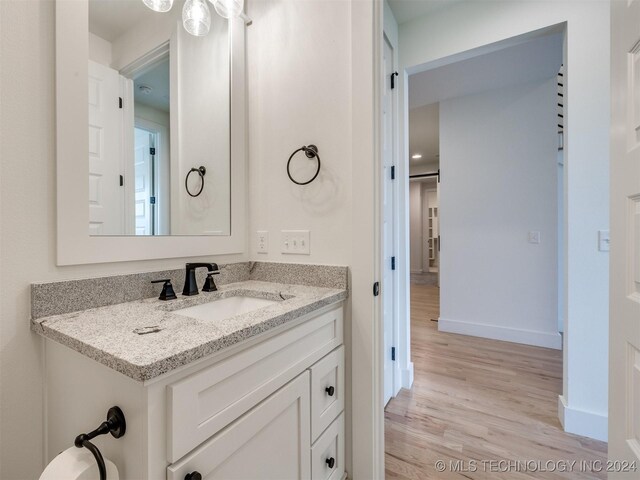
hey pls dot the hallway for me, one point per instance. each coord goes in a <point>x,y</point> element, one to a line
<point>480,400</point>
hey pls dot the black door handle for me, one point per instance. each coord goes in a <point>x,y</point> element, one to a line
<point>330,391</point>
<point>331,462</point>
<point>193,476</point>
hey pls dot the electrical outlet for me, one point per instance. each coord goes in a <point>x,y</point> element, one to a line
<point>263,241</point>
<point>295,242</point>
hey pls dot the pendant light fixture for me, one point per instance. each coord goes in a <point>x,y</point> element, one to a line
<point>228,8</point>
<point>196,17</point>
<point>159,5</point>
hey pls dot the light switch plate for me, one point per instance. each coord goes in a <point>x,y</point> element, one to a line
<point>295,242</point>
<point>262,239</point>
<point>604,240</point>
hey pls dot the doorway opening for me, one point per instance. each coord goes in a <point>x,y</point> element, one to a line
<point>484,152</point>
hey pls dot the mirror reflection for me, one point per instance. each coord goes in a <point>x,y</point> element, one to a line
<point>159,120</point>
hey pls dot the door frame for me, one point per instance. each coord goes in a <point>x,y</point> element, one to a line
<point>581,406</point>
<point>396,373</point>
<point>366,435</point>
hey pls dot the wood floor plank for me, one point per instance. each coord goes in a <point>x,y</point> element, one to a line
<point>481,400</point>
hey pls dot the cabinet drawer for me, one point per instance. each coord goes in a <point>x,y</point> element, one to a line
<point>269,441</point>
<point>327,391</point>
<point>329,450</point>
<point>202,404</point>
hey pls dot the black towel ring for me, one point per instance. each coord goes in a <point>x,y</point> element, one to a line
<point>311,152</point>
<point>201,172</point>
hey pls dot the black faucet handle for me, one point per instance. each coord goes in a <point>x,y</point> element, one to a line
<point>209,284</point>
<point>167,289</point>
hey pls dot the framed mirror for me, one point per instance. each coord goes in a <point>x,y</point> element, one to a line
<point>160,169</point>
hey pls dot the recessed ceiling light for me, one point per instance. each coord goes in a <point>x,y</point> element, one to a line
<point>417,156</point>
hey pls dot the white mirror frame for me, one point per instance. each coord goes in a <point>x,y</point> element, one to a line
<point>75,245</point>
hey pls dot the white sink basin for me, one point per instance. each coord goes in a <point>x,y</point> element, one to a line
<point>224,308</point>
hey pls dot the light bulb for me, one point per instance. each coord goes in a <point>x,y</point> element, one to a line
<point>159,5</point>
<point>196,17</point>
<point>228,8</point>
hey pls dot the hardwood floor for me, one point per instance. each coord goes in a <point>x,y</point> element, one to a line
<point>483,401</point>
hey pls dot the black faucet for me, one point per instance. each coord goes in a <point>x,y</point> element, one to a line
<point>190,285</point>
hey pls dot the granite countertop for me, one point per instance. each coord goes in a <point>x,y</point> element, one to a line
<point>144,339</point>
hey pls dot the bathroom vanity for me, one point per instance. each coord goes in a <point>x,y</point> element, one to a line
<point>256,391</point>
<point>244,382</point>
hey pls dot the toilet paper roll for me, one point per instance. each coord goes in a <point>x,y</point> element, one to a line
<point>77,464</point>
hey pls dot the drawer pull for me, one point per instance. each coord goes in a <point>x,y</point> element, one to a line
<point>193,476</point>
<point>331,462</point>
<point>330,391</point>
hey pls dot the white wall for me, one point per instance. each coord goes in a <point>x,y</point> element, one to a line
<point>28,226</point>
<point>470,25</point>
<point>200,133</point>
<point>299,98</point>
<point>415,214</point>
<point>498,154</point>
<point>99,50</point>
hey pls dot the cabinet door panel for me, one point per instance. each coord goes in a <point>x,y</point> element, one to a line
<point>271,441</point>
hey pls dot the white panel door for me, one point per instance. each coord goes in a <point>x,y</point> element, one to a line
<point>144,181</point>
<point>624,327</point>
<point>105,132</point>
<point>388,249</point>
<point>271,441</point>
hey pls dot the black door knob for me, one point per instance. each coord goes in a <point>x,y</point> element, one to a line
<point>193,476</point>
<point>331,462</point>
<point>330,391</point>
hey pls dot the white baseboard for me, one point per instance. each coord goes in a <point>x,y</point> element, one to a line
<point>580,422</point>
<point>407,376</point>
<point>516,335</point>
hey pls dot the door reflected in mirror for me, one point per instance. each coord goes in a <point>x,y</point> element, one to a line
<point>159,111</point>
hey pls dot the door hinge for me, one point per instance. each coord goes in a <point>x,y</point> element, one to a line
<point>393,263</point>
<point>438,175</point>
<point>393,80</point>
<point>393,172</point>
<point>121,180</point>
<point>152,151</point>
<point>439,243</point>
<point>152,200</point>
<point>376,289</point>
<point>120,103</point>
<point>393,354</point>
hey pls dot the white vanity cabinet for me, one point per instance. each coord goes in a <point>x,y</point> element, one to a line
<point>271,407</point>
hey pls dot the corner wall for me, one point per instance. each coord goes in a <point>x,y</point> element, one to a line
<point>473,25</point>
<point>498,155</point>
